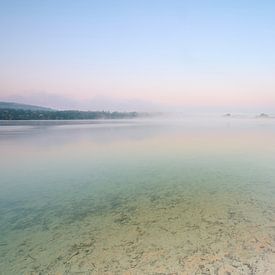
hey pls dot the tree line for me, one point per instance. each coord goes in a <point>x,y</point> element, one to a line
<point>16,114</point>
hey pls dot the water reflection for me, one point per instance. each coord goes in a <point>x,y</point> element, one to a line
<point>194,196</point>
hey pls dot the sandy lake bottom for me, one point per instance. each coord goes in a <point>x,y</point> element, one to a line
<point>138,197</point>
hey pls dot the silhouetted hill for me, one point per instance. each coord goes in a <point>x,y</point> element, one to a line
<point>19,106</point>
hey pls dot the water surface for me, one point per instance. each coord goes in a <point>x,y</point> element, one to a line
<point>189,196</point>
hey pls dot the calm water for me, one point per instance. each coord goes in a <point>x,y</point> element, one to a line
<point>138,197</point>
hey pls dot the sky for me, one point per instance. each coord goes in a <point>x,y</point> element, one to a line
<point>143,54</point>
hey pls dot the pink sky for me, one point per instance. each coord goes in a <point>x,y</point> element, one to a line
<point>167,54</point>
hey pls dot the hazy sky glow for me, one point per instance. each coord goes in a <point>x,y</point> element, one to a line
<point>172,53</point>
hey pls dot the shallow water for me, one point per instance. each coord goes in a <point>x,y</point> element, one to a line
<point>189,196</point>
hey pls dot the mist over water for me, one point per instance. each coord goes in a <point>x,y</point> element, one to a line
<point>139,196</point>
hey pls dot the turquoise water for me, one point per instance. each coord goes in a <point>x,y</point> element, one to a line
<point>186,196</point>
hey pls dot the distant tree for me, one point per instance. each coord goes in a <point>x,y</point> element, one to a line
<point>20,114</point>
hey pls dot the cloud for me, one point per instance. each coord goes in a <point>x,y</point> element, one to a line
<point>43,99</point>
<point>96,103</point>
<point>109,103</point>
<point>118,104</point>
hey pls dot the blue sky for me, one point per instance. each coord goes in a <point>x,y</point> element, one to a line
<point>170,52</point>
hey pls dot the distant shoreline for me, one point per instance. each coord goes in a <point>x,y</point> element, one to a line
<point>17,114</point>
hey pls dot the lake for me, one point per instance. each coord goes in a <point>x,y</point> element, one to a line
<point>186,196</point>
